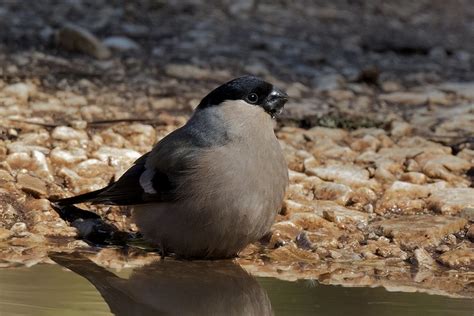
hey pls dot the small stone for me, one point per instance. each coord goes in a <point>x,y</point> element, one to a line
<point>414,177</point>
<point>164,104</point>
<point>291,253</point>
<point>423,258</point>
<point>77,39</point>
<point>5,176</point>
<point>329,82</point>
<point>18,228</point>
<point>451,200</point>
<point>121,43</point>
<point>67,157</point>
<point>339,193</point>
<point>405,98</point>
<point>303,242</point>
<point>458,258</point>
<point>438,97</point>
<point>20,91</point>
<point>38,205</point>
<point>93,168</point>
<point>186,71</point>
<point>391,86</point>
<point>400,129</point>
<point>337,213</point>
<point>470,233</point>
<point>351,175</point>
<point>286,230</point>
<point>468,213</point>
<point>340,95</point>
<point>31,184</point>
<point>4,233</point>
<point>68,133</point>
<point>442,248</point>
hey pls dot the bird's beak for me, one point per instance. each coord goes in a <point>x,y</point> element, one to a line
<point>275,102</point>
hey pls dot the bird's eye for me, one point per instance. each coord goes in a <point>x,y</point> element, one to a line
<point>252,98</point>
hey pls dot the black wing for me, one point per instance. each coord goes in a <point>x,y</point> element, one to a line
<point>128,190</point>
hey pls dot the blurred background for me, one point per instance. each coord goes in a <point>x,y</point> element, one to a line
<point>293,40</point>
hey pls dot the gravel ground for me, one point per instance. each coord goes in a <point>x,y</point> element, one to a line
<point>378,134</point>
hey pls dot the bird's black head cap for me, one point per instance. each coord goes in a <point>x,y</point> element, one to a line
<point>250,89</point>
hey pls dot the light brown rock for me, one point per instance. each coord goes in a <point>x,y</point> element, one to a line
<point>4,233</point>
<point>20,91</point>
<point>351,175</point>
<point>78,39</point>
<point>405,98</point>
<point>451,200</point>
<point>339,193</point>
<point>63,157</point>
<point>423,259</point>
<point>31,184</point>
<point>340,213</point>
<point>458,258</point>
<point>411,232</point>
<point>403,197</point>
<point>68,133</point>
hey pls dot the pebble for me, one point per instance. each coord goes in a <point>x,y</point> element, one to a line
<point>67,157</point>
<point>20,91</point>
<point>423,259</point>
<point>187,72</point>
<point>350,175</point>
<point>329,82</point>
<point>4,234</point>
<point>68,133</point>
<point>31,184</point>
<point>459,199</point>
<point>458,258</point>
<point>405,98</point>
<point>19,229</point>
<point>75,38</point>
<point>339,193</point>
<point>121,43</point>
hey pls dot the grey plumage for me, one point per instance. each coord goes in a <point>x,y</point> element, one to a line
<point>214,185</point>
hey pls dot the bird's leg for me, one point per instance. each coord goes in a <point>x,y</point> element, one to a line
<point>162,251</point>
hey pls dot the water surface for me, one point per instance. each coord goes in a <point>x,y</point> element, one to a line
<point>197,288</point>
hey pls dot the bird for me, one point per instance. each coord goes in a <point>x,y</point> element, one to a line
<point>214,185</point>
<point>174,287</point>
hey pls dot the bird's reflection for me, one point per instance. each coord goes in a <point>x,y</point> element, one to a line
<point>172,287</point>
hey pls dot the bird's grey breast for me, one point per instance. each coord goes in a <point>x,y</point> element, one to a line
<point>245,168</point>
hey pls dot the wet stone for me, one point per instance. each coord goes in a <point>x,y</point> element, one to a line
<point>423,258</point>
<point>458,258</point>
<point>428,231</point>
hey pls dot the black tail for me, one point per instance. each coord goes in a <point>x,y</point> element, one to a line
<point>82,198</point>
<point>70,213</point>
